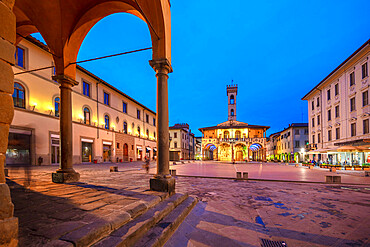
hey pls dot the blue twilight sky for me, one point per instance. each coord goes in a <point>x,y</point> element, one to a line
<point>276,51</point>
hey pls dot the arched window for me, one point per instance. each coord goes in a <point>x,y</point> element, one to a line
<point>232,100</point>
<point>237,134</point>
<point>86,115</point>
<point>19,95</point>
<point>125,127</point>
<point>147,133</point>
<point>175,145</point>
<point>226,134</point>
<point>56,106</point>
<point>106,120</point>
<point>232,112</point>
<point>138,130</point>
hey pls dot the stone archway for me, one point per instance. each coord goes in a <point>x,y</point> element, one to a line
<point>63,25</point>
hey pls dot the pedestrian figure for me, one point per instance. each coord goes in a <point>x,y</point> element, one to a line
<point>147,162</point>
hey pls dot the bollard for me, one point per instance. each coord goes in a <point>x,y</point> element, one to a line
<point>245,175</point>
<point>173,172</point>
<point>367,173</point>
<point>114,169</point>
<point>238,175</point>
<point>333,179</point>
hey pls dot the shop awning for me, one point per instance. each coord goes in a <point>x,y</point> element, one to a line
<point>350,149</point>
<point>139,147</point>
<point>319,151</point>
<point>148,149</point>
<point>107,143</point>
<point>155,149</point>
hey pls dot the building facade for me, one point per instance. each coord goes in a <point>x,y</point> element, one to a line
<point>182,144</point>
<point>339,111</point>
<point>289,145</point>
<point>108,125</point>
<point>233,140</point>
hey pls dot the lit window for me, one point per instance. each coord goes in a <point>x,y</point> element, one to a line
<point>86,115</point>
<point>56,106</point>
<point>147,133</point>
<point>19,57</point>
<point>138,130</point>
<point>19,95</point>
<point>106,121</point>
<point>226,134</point>
<point>125,127</point>
<point>106,98</point>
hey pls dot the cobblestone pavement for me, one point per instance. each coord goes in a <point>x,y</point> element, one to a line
<point>230,212</point>
<point>273,171</point>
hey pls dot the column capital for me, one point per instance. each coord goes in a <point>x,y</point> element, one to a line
<point>63,79</point>
<point>161,64</point>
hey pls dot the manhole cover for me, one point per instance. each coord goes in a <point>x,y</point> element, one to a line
<point>270,243</point>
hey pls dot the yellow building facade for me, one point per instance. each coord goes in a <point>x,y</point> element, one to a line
<point>234,140</point>
<point>108,125</point>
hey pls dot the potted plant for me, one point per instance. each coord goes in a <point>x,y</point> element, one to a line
<point>366,167</point>
<point>357,168</point>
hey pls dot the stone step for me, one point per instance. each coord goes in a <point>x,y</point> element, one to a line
<point>92,232</point>
<point>132,231</point>
<point>160,233</point>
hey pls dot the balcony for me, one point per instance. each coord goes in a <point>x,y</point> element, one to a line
<point>234,140</point>
<point>310,147</point>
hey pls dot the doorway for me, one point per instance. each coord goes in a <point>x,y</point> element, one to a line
<point>106,152</point>
<point>55,151</point>
<point>86,152</point>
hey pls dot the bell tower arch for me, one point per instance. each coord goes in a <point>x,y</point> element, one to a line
<point>232,91</point>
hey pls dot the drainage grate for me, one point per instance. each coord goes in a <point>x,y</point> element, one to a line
<point>270,243</point>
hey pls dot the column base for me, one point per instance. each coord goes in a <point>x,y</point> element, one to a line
<point>65,177</point>
<point>163,184</point>
<point>9,232</point>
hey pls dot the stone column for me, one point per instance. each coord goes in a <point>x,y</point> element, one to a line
<point>65,173</point>
<point>8,223</point>
<point>162,181</point>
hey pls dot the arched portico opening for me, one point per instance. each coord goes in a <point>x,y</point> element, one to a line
<point>256,152</point>
<point>240,152</point>
<point>210,152</point>
<point>64,25</point>
<point>77,18</point>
